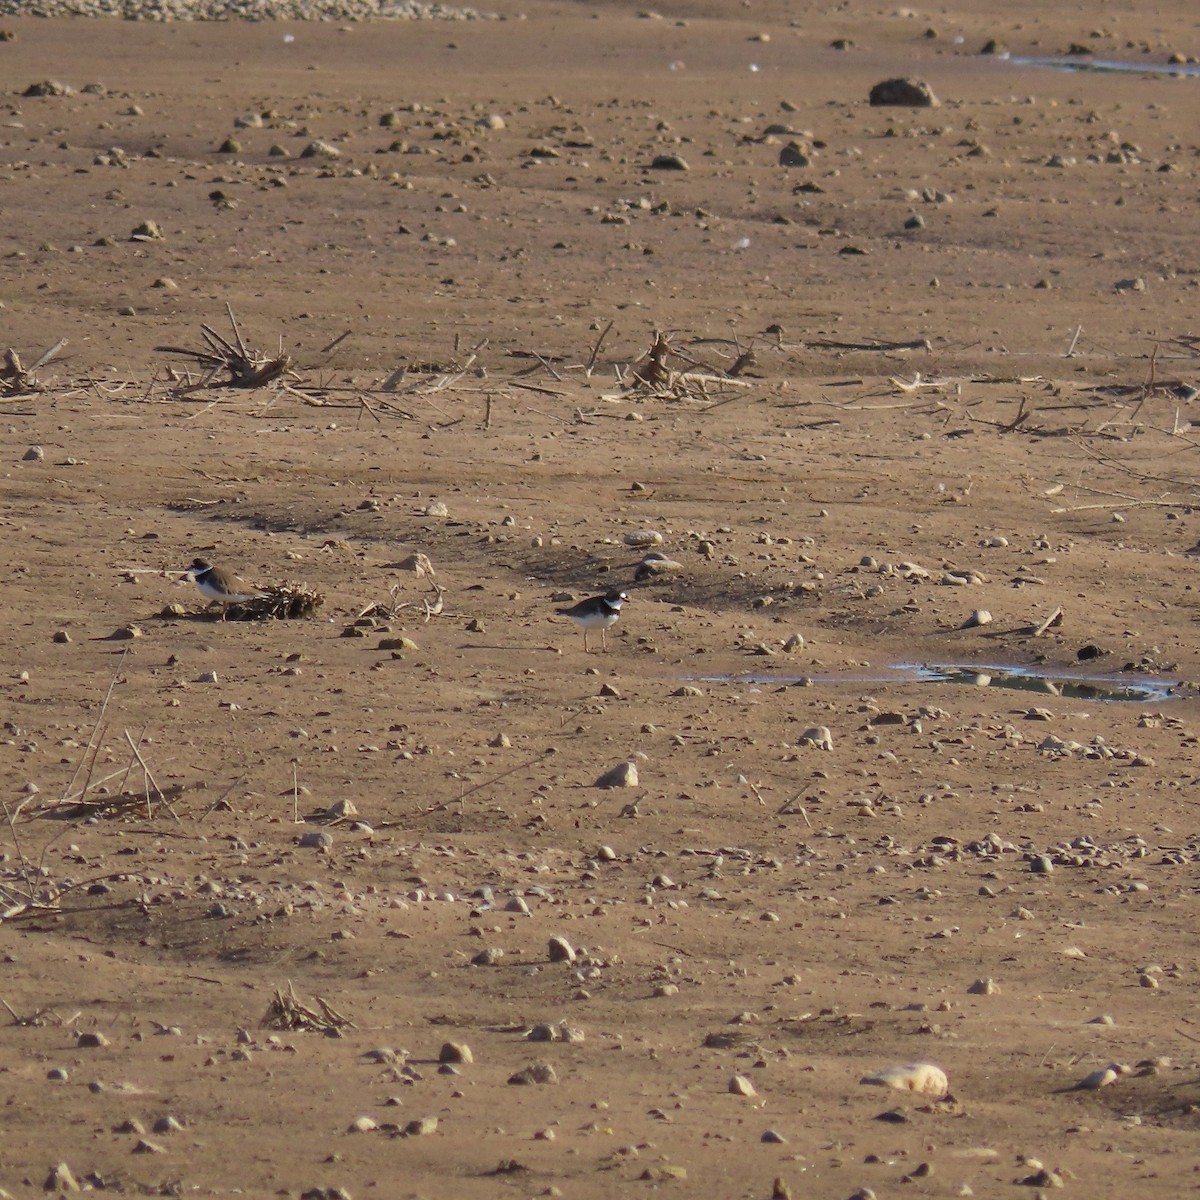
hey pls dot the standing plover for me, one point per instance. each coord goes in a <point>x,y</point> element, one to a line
<point>596,612</point>
<point>219,586</point>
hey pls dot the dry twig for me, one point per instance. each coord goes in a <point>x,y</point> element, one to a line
<point>287,1011</point>
<point>17,380</point>
<point>247,368</point>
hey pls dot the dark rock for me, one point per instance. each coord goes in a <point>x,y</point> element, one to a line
<point>47,87</point>
<point>908,93</point>
<point>794,155</point>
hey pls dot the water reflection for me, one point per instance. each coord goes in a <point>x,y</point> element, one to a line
<point>1102,65</point>
<point>1138,690</point>
<point>1026,679</point>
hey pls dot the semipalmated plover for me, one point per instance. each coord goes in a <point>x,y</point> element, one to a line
<point>219,586</point>
<point>596,612</point>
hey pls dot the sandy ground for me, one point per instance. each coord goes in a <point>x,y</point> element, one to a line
<point>993,880</point>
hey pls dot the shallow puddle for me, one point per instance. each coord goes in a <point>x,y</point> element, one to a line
<point>1103,65</point>
<point>1026,679</point>
<point>1138,689</point>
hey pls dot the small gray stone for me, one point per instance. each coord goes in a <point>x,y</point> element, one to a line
<point>383,1054</point>
<point>624,774</point>
<point>795,155</point>
<point>61,1179</point>
<point>455,1052</point>
<point>320,149</point>
<point>818,736</point>
<point>561,950</point>
<point>534,1073</point>
<point>421,1127</point>
<point>49,87</point>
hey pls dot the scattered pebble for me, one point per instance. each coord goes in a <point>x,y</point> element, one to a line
<point>561,950</point>
<point>983,987</point>
<point>909,93</point>
<point>535,1073</point>
<point>420,1127</point>
<point>818,736</point>
<point>922,1077</point>
<point>643,538</point>
<point>455,1052</point>
<point>562,1032</point>
<point>664,1173</point>
<point>624,774</point>
<point>1101,1078</point>
<point>61,1179</point>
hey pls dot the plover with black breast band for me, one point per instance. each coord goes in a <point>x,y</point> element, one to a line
<point>596,612</point>
<point>220,586</point>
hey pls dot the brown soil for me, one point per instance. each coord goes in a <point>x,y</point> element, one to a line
<point>756,906</point>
